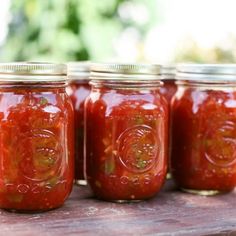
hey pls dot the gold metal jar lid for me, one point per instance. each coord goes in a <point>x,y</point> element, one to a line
<point>211,73</point>
<point>122,71</point>
<point>32,72</point>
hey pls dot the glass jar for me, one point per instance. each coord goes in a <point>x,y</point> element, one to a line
<point>36,138</point>
<point>168,90</point>
<point>78,90</point>
<point>203,159</point>
<point>168,78</point>
<point>126,132</point>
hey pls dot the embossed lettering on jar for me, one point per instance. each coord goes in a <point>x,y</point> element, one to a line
<point>126,132</point>
<point>203,159</point>
<point>36,138</point>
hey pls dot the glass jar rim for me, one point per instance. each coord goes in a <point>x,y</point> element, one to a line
<point>32,72</point>
<point>206,73</point>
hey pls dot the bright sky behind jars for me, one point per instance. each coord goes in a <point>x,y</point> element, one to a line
<point>4,17</point>
<point>209,23</point>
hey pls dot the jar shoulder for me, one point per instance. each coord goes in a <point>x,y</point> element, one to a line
<point>198,99</point>
<point>127,100</point>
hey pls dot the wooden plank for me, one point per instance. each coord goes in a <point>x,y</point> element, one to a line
<point>171,212</point>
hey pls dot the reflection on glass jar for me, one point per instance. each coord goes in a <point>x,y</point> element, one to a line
<point>78,90</point>
<point>126,132</point>
<point>36,138</point>
<point>169,87</point>
<point>168,90</point>
<point>203,157</point>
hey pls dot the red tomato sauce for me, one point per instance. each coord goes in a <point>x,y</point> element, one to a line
<point>169,89</point>
<point>204,139</point>
<point>36,147</point>
<point>126,143</point>
<point>79,91</point>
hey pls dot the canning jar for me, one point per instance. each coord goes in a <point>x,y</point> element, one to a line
<point>203,159</point>
<point>168,90</point>
<point>78,90</point>
<point>126,132</point>
<point>36,138</point>
<point>168,78</point>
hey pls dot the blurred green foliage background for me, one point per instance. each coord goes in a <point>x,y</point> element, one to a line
<point>70,30</point>
<point>64,30</point>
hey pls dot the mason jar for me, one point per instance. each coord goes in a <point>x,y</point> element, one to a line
<point>169,87</point>
<point>36,138</point>
<point>126,132</point>
<point>168,90</point>
<point>78,90</point>
<point>203,159</point>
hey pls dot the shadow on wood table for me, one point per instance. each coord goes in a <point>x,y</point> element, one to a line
<point>171,212</point>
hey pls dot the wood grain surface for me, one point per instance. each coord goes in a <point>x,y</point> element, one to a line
<point>171,212</point>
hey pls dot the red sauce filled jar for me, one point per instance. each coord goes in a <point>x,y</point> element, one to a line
<point>126,132</point>
<point>169,87</point>
<point>78,90</point>
<point>168,90</point>
<point>36,138</point>
<point>203,159</point>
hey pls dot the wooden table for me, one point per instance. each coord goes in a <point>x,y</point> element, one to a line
<point>170,213</point>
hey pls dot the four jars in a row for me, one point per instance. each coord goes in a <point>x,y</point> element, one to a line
<point>122,126</point>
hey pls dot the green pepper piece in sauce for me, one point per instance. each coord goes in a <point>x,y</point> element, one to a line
<point>109,166</point>
<point>43,101</point>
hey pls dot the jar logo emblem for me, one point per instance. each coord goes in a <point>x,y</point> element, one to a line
<point>220,144</point>
<point>138,148</point>
<point>42,159</point>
